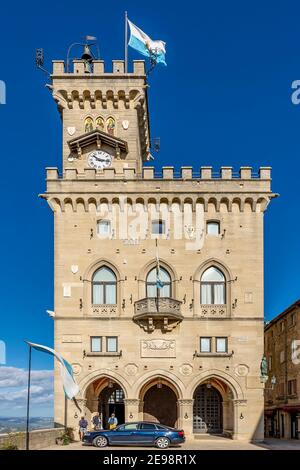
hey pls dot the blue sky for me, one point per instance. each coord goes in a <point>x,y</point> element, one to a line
<point>228,84</point>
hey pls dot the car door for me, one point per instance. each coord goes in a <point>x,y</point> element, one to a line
<point>147,433</point>
<point>124,434</point>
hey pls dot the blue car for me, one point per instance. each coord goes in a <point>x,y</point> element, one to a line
<point>135,434</point>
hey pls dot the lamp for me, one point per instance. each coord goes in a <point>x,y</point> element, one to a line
<point>110,384</point>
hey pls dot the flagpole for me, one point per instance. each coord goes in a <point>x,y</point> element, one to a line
<point>157,275</point>
<point>28,400</point>
<point>126,42</point>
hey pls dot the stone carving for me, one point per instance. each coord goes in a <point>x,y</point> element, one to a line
<point>158,348</point>
<point>186,369</point>
<point>131,369</point>
<point>71,339</point>
<point>158,344</point>
<point>241,370</point>
<point>77,368</point>
<point>105,310</point>
<point>213,310</point>
<point>125,124</point>
<point>74,268</point>
<point>71,130</point>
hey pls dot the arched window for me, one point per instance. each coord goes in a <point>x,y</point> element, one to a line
<point>158,284</point>
<point>104,287</point>
<point>213,287</point>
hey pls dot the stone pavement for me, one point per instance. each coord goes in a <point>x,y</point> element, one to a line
<point>209,443</point>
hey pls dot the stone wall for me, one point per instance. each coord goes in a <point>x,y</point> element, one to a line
<point>38,439</point>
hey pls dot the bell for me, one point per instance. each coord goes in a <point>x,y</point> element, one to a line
<point>87,54</point>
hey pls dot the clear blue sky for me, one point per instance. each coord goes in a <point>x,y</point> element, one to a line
<point>228,83</point>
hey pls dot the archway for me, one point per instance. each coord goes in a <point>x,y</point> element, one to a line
<point>207,410</point>
<point>111,400</point>
<point>159,402</point>
<point>106,396</point>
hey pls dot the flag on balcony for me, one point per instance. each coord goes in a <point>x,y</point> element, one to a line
<point>69,383</point>
<point>159,283</point>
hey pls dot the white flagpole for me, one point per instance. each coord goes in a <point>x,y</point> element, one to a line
<point>126,42</point>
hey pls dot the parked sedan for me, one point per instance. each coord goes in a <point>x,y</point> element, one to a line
<point>136,434</point>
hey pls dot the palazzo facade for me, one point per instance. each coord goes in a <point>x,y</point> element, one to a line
<point>158,276</point>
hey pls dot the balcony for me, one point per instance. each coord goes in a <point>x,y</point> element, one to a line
<point>162,312</point>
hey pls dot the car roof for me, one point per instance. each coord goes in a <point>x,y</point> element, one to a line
<point>149,422</point>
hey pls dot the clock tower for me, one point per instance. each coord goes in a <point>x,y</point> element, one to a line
<point>104,115</point>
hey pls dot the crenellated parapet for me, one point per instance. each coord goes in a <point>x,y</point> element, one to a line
<point>98,89</point>
<point>225,191</point>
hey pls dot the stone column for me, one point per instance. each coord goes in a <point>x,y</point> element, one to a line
<point>74,415</point>
<point>228,419</point>
<point>240,411</point>
<point>131,409</point>
<point>185,415</point>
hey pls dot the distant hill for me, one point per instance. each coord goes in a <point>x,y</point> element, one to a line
<point>19,424</point>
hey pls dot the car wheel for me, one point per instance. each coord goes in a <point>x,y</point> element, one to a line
<point>162,442</point>
<point>100,441</point>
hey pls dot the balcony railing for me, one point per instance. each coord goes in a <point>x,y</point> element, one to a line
<point>161,312</point>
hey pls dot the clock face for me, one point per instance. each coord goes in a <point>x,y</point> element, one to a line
<point>99,159</point>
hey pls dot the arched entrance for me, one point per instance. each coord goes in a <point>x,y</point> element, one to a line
<point>207,412</point>
<point>106,396</point>
<point>159,402</point>
<point>111,400</point>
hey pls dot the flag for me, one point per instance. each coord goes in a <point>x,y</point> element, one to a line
<point>159,283</point>
<point>69,384</point>
<point>140,41</point>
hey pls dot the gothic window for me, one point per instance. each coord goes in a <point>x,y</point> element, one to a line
<point>158,283</point>
<point>100,123</point>
<point>110,125</point>
<point>213,287</point>
<point>88,124</point>
<point>104,287</point>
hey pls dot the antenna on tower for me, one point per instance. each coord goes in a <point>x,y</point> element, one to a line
<point>39,60</point>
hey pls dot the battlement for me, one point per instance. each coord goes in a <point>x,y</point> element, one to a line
<point>77,68</point>
<point>167,173</point>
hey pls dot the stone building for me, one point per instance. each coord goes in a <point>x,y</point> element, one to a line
<point>282,350</point>
<point>161,319</point>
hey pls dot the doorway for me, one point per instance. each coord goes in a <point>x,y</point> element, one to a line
<point>160,405</point>
<point>207,410</point>
<point>111,400</point>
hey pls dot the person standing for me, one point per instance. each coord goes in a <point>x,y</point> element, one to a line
<point>96,422</point>
<point>83,424</point>
<point>112,421</point>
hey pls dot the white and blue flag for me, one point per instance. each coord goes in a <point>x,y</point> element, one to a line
<point>69,384</point>
<point>141,42</point>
